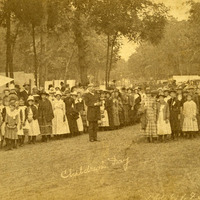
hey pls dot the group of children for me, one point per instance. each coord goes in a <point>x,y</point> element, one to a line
<point>64,113</point>
<point>172,113</point>
<point>18,120</point>
<point>60,113</point>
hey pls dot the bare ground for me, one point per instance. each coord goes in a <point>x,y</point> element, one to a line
<point>154,171</point>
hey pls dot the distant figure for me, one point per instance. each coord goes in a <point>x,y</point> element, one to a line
<point>62,87</point>
<point>25,94</point>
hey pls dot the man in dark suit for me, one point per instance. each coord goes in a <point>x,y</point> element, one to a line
<point>92,101</point>
<point>25,94</point>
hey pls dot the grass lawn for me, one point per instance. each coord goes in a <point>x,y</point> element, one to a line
<point>121,166</point>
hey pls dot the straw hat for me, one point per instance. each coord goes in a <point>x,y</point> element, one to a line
<point>30,98</point>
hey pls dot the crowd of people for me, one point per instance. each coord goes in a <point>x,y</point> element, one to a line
<point>64,112</point>
<point>171,113</point>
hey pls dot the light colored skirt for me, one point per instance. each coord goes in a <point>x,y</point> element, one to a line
<point>104,122</point>
<point>59,126</point>
<point>163,128</point>
<point>33,128</point>
<point>11,133</point>
<point>20,131</point>
<point>190,125</point>
<point>80,123</point>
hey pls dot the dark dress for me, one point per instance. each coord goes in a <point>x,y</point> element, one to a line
<point>45,116</point>
<point>108,107</point>
<point>80,107</point>
<point>72,115</point>
<point>126,107</point>
<point>174,109</point>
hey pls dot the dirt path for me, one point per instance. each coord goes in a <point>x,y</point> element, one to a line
<point>121,166</point>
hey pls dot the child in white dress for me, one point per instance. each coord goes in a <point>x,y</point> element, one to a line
<point>60,123</point>
<point>32,120</point>
<point>163,124</point>
<point>190,125</point>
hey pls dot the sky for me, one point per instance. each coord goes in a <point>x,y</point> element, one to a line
<point>178,9</point>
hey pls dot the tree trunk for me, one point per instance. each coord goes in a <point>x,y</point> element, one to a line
<point>111,59</point>
<point>67,66</point>
<point>8,46</point>
<point>107,61</point>
<point>35,55</point>
<point>81,44</point>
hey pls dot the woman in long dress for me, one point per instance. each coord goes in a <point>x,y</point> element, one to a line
<point>60,122</point>
<point>45,117</point>
<point>79,121</point>
<point>163,124</point>
<point>115,110</point>
<point>190,125</point>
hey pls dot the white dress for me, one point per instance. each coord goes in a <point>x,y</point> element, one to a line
<point>189,113</point>
<point>20,117</point>
<point>79,121</point>
<point>104,122</point>
<point>59,125</point>
<point>33,125</point>
<point>163,128</point>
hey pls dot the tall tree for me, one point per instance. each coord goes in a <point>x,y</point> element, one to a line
<point>139,20</point>
<point>30,13</point>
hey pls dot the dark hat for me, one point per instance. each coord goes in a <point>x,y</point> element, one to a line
<point>161,95</point>
<point>13,92</point>
<point>130,89</point>
<point>43,92</point>
<point>17,86</point>
<point>166,90</point>
<point>191,87</point>
<point>123,88</point>
<point>185,91</point>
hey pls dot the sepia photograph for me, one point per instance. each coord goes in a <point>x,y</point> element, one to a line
<point>99,99</point>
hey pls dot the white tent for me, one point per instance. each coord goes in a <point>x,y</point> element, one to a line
<point>4,80</point>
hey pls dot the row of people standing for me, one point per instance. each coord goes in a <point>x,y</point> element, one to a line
<point>175,114</point>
